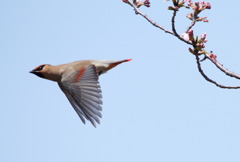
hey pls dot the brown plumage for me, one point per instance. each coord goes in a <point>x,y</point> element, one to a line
<point>79,81</point>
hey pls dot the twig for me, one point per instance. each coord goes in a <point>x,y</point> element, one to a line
<point>173,23</point>
<point>137,11</point>
<point>222,68</point>
<point>210,80</point>
<point>174,28</point>
<point>207,55</point>
<point>192,24</point>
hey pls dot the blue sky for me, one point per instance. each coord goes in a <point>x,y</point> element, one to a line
<point>155,108</point>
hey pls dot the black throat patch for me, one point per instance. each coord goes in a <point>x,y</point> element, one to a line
<point>38,74</point>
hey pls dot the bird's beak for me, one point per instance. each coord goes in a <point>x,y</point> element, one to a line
<point>37,73</point>
<point>32,72</point>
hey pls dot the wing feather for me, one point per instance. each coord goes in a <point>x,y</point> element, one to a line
<point>93,85</point>
<point>92,98</point>
<point>74,105</point>
<point>98,90</point>
<point>92,93</point>
<point>85,94</point>
<point>92,108</point>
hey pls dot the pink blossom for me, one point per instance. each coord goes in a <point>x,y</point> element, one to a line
<point>185,36</point>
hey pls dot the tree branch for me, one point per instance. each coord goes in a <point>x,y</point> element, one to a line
<point>197,44</point>
<point>174,28</point>
<point>137,11</point>
<point>210,80</point>
<point>192,24</point>
<point>222,68</point>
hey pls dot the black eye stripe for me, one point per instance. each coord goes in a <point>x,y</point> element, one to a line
<point>40,68</point>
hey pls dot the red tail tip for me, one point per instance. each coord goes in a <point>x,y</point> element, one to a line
<point>128,60</point>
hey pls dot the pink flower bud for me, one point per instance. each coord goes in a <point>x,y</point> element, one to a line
<point>208,6</point>
<point>202,2</point>
<point>190,32</point>
<point>203,36</point>
<point>147,3</point>
<point>213,57</point>
<point>202,45</point>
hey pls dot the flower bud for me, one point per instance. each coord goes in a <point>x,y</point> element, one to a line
<point>203,36</point>
<point>190,32</point>
<point>208,6</point>
<point>213,57</point>
<point>125,1</point>
<point>146,3</point>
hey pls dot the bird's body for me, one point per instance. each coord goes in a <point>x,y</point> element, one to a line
<point>79,81</point>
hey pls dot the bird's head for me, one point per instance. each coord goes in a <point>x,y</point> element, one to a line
<point>41,70</point>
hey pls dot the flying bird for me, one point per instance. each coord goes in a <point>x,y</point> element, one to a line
<point>79,82</point>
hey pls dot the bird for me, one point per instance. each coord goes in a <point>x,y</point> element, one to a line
<point>79,81</point>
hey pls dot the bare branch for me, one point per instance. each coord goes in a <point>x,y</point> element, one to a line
<point>210,80</point>
<point>137,11</point>
<point>222,68</point>
<point>174,28</point>
<point>192,24</point>
<point>173,23</point>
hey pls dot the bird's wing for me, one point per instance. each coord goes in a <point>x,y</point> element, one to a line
<point>84,93</point>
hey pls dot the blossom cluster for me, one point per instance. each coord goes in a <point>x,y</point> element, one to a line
<point>139,3</point>
<point>198,7</point>
<point>198,44</point>
<point>177,4</point>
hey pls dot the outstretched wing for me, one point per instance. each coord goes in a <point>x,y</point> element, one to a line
<point>84,93</point>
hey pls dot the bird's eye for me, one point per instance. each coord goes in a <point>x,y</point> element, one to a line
<point>40,68</point>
